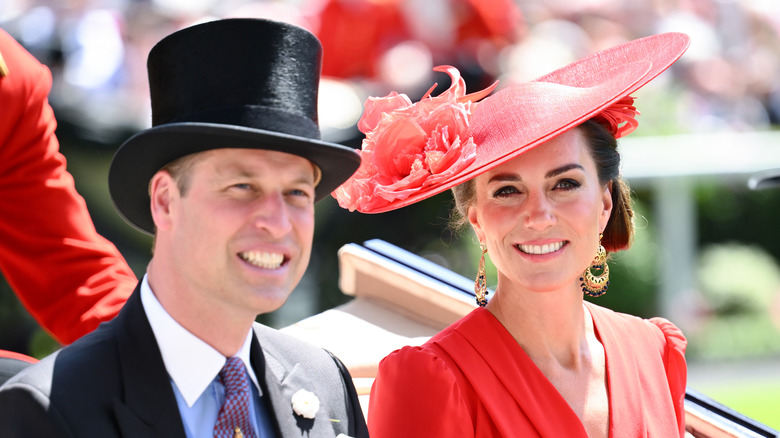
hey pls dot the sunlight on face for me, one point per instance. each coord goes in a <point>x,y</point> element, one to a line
<point>241,235</point>
<point>541,213</point>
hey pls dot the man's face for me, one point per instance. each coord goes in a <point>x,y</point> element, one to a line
<point>240,235</point>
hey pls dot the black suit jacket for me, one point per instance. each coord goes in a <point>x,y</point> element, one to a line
<point>113,383</point>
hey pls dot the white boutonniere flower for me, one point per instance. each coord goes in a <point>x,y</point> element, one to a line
<point>305,403</point>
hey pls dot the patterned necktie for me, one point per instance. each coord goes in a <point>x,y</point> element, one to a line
<point>233,420</point>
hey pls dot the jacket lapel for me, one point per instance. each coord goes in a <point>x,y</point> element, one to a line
<point>291,365</point>
<point>282,378</point>
<point>148,406</point>
<point>277,401</point>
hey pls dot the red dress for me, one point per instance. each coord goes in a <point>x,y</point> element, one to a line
<point>67,275</point>
<point>474,380</point>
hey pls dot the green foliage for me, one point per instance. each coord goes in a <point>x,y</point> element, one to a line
<point>738,279</point>
<point>739,283</point>
<point>42,344</point>
<point>734,336</point>
<point>733,213</point>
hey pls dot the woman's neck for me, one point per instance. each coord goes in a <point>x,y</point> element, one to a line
<point>556,331</point>
<point>552,327</point>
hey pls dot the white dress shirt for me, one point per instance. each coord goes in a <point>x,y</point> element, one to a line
<point>193,367</point>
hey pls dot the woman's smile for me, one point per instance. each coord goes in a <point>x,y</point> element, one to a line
<point>541,249</point>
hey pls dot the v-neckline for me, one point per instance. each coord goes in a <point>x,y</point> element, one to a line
<point>600,336</point>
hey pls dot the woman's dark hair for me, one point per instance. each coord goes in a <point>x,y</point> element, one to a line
<point>619,232</point>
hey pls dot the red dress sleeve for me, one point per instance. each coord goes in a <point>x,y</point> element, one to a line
<point>676,367</point>
<point>68,276</point>
<point>412,388</point>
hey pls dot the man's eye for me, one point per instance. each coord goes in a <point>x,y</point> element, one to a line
<point>302,193</point>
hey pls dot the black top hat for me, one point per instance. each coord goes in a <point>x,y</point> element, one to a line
<point>235,83</point>
<point>765,180</point>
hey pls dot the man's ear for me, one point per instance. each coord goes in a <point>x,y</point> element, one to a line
<point>162,191</point>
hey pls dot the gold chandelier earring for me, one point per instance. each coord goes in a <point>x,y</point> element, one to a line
<point>595,285</point>
<point>480,285</point>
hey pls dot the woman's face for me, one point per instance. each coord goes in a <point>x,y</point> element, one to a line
<point>541,213</point>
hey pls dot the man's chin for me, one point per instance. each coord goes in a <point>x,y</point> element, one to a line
<point>267,302</point>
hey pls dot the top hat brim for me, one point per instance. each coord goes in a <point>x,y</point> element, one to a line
<point>144,154</point>
<point>520,117</point>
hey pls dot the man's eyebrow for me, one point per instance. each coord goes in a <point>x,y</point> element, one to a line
<point>238,171</point>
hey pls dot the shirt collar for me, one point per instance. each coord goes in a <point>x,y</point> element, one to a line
<point>191,363</point>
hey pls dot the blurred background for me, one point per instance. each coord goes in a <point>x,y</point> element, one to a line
<point>707,249</point>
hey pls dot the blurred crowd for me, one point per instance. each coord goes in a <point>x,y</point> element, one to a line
<point>728,80</point>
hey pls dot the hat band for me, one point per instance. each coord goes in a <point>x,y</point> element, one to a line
<point>255,117</point>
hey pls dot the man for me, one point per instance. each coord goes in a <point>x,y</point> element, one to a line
<point>67,276</point>
<point>226,180</point>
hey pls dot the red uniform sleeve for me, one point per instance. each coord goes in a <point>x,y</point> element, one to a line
<point>68,276</point>
<point>676,367</point>
<point>412,389</point>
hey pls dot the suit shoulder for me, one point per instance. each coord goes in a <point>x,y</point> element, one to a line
<point>73,366</point>
<point>287,348</point>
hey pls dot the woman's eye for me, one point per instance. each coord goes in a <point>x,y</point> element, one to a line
<point>505,191</point>
<point>567,184</point>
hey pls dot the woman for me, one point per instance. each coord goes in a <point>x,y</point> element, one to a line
<point>535,172</point>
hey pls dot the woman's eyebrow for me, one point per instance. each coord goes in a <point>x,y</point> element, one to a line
<point>563,169</point>
<point>512,177</point>
<point>505,177</point>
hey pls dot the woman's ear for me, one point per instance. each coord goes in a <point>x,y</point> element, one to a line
<point>162,192</point>
<point>475,224</point>
<point>606,212</point>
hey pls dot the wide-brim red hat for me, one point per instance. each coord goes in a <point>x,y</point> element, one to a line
<point>415,151</point>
